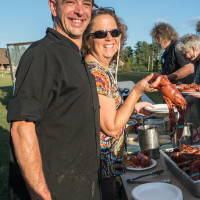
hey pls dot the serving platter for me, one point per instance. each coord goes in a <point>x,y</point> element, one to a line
<point>191,185</point>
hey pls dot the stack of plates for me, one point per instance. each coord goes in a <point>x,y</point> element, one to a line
<point>167,146</point>
<point>157,191</point>
<point>132,149</point>
<point>159,108</point>
<point>164,139</point>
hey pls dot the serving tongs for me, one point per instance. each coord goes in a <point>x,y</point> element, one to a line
<point>155,173</point>
<point>157,181</point>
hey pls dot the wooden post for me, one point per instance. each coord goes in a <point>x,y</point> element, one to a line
<point>152,59</point>
<point>149,64</point>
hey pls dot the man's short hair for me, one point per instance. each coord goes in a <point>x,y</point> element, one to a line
<point>57,1</point>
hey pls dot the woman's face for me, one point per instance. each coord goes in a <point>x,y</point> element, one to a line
<point>164,44</point>
<point>105,48</point>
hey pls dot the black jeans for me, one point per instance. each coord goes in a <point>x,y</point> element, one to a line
<point>108,187</point>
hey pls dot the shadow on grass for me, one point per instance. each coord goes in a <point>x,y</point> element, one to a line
<point>4,163</point>
<point>5,96</point>
<point>9,91</point>
<point>4,170</point>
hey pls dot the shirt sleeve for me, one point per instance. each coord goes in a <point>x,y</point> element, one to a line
<point>34,88</point>
<point>103,84</point>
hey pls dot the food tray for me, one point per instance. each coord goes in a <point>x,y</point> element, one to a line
<point>191,185</point>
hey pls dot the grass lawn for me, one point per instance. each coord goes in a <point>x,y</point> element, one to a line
<point>136,77</point>
<point>5,96</point>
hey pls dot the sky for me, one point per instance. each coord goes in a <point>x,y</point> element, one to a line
<point>27,20</point>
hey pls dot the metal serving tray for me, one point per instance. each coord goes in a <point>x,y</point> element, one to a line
<point>191,185</point>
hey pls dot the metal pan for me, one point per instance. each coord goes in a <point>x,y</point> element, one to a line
<point>191,185</point>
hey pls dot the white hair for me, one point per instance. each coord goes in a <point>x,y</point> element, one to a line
<point>185,43</point>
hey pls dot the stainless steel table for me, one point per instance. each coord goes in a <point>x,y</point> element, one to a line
<point>166,175</point>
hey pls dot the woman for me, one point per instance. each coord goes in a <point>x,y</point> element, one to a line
<point>100,46</point>
<point>173,63</point>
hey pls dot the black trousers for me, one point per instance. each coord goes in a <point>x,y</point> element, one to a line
<point>108,187</point>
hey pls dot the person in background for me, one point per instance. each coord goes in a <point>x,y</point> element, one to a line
<point>103,38</point>
<point>198,28</point>
<point>55,149</point>
<point>174,65</point>
<point>189,46</point>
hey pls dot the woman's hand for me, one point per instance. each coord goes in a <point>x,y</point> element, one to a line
<point>139,108</point>
<point>144,85</point>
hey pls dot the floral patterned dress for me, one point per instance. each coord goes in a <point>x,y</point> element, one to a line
<point>113,149</point>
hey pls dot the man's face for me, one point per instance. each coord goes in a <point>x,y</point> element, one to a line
<point>72,16</point>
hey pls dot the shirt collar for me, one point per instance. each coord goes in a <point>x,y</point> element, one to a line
<point>62,38</point>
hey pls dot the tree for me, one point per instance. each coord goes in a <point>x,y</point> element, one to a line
<point>126,67</point>
<point>127,53</point>
<point>144,56</point>
<point>137,52</point>
<point>155,57</point>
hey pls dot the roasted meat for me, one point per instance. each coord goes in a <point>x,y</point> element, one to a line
<point>144,160</point>
<point>139,161</point>
<point>188,159</point>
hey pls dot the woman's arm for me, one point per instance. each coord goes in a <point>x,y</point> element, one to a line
<point>29,159</point>
<point>112,120</point>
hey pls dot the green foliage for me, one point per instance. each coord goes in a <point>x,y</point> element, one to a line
<point>132,76</point>
<point>144,57</point>
<point>125,68</point>
<point>127,53</point>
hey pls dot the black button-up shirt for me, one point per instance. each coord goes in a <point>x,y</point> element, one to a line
<point>55,89</point>
<point>172,60</point>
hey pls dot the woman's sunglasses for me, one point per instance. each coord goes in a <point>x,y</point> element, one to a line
<point>102,9</point>
<point>103,33</point>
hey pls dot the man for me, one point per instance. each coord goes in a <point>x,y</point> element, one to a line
<point>173,63</point>
<point>55,114</point>
<point>189,46</point>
